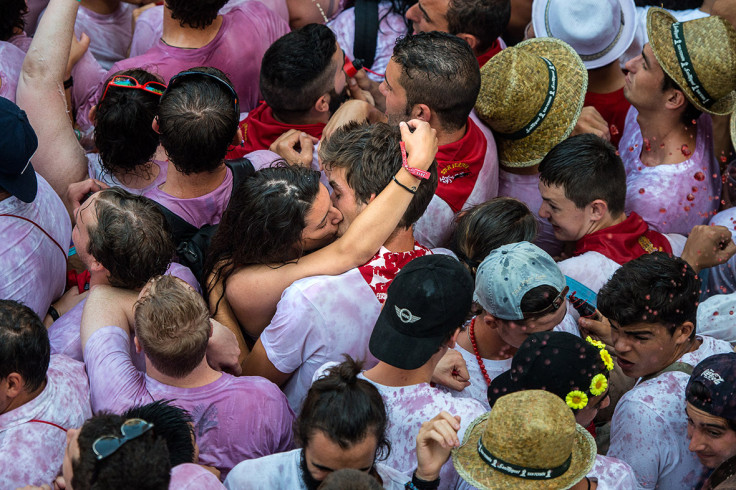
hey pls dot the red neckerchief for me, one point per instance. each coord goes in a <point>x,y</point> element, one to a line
<point>383,267</point>
<point>260,129</point>
<point>492,51</point>
<point>459,164</point>
<point>80,280</point>
<point>613,108</point>
<point>625,241</point>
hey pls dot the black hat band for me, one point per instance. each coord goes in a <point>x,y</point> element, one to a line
<point>686,65</point>
<point>521,471</point>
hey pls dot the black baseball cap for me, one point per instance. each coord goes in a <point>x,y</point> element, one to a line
<point>429,298</point>
<point>716,394</point>
<point>18,143</point>
<point>558,362</point>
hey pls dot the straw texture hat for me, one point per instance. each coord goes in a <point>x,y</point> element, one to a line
<point>531,433</point>
<point>699,55</point>
<point>531,96</point>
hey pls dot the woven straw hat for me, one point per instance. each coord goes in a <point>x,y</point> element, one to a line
<point>516,100</point>
<point>707,52</point>
<point>527,433</point>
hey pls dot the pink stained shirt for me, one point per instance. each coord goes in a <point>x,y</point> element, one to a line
<point>228,414</point>
<point>31,453</point>
<point>11,61</point>
<point>149,26</point>
<point>190,476</point>
<point>671,198</point>
<point>32,266</point>
<point>436,225</point>
<point>96,171</point>
<point>109,34</point>
<point>244,36</point>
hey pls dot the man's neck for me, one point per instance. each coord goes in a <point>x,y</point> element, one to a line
<point>303,119</point>
<point>607,222</point>
<point>665,139</point>
<point>102,7</point>
<point>445,137</point>
<point>174,34</point>
<point>401,240</point>
<point>606,79</point>
<point>707,6</point>
<point>24,397</point>
<point>686,348</point>
<point>490,345</point>
<point>387,375</point>
<point>202,375</point>
<point>193,185</point>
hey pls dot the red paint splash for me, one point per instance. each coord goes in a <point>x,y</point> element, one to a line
<point>613,129</point>
<point>699,176</point>
<point>690,197</point>
<point>685,150</point>
<point>642,191</point>
<point>662,210</point>
<point>647,146</point>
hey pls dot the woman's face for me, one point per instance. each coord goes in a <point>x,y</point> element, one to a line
<point>322,222</point>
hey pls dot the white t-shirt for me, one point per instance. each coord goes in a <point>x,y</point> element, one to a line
<point>317,320</point>
<point>612,474</point>
<point>190,476</point>
<point>722,278</point>
<point>594,269</point>
<point>408,407</point>
<point>478,389</point>
<point>649,427</point>
<point>282,471</point>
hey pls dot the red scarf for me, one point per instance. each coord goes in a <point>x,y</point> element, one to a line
<point>625,241</point>
<point>459,165</point>
<point>260,129</point>
<point>492,51</point>
<point>383,267</point>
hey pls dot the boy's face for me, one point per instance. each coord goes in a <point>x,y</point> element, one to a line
<point>646,348</point>
<point>569,222</point>
<point>711,438</point>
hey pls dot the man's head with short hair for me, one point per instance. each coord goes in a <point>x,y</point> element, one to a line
<point>432,76</point>
<point>302,71</point>
<point>342,424</point>
<point>198,118</point>
<point>172,423</point>
<point>24,352</point>
<point>361,160</point>
<point>195,15</point>
<point>123,234</point>
<point>172,326</point>
<point>521,291</point>
<point>478,22</point>
<point>582,181</point>
<point>651,303</point>
<point>141,462</point>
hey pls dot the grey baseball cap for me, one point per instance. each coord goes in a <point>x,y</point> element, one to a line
<point>508,273</point>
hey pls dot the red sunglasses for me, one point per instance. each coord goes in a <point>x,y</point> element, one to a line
<point>126,81</point>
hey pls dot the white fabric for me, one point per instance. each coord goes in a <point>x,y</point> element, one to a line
<point>649,427</point>
<point>612,474</point>
<point>722,278</point>
<point>282,471</point>
<point>593,269</point>
<point>408,407</point>
<point>96,171</point>
<point>478,389</point>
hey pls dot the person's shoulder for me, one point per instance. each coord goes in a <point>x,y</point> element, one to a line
<point>190,475</point>
<point>257,386</point>
<point>272,470</point>
<point>710,346</point>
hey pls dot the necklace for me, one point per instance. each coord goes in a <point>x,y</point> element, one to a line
<point>482,366</point>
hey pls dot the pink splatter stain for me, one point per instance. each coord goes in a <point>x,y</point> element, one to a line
<point>647,146</point>
<point>685,150</point>
<point>662,210</point>
<point>642,191</point>
<point>613,129</point>
<point>699,176</point>
<point>694,122</point>
<point>686,208</point>
<point>723,158</point>
<point>695,188</point>
<point>690,197</point>
<point>715,313</point>
<point>631,148</point>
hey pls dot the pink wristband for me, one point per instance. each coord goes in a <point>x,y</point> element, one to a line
<point>416,172</point>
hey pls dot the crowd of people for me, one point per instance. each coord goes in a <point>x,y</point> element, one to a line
<point>402,244</point>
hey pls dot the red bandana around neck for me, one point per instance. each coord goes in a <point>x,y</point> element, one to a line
<point>383,267</point>
<point>625,241</point>
<point>260,129</point>
<point>459,165</point>
<point>490,53</point>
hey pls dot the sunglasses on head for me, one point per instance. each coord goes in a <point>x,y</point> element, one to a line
<point>188,74</point>
<point>126,81</point>
<point>554,306</point>
<point>106,445</point>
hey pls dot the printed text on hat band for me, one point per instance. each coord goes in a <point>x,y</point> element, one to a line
<point>521,471</point>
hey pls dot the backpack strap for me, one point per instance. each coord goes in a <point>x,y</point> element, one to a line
<point>681,367</point>
<point>366,31</point>
<point>241,168</point>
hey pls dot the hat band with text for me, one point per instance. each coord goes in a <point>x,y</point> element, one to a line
<point>521,471</point>
<point>686,65</point>
<point>544,110</point>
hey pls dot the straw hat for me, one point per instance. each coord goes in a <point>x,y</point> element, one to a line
<point>599,30</point>
<point>531,96</point>
<point>531,433</point>
<point>708,55</point>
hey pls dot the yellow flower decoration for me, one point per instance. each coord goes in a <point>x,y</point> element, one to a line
<point>606,357</point>
<point>576,400</point>
<point>598,385</point>
<point>596,343</point>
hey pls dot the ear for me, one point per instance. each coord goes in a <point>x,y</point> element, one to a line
<point>137,344</point>
<point>488,319</point>
<point>451,343</point>
<point>15,385</point>
<point>422,112</point>
<point>154,125</point>
<point>470,39</point>
<point>93,115</point>
<point>323,103</point>
<point>675,99</point>
<point>238,138</point>
<point>370,199</point>
<point>598,209</point>
<point>683,332</point>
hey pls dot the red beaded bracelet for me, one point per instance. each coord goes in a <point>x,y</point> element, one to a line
<point>416,172</point>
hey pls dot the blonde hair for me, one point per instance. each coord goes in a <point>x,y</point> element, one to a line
<point>173,326</point>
